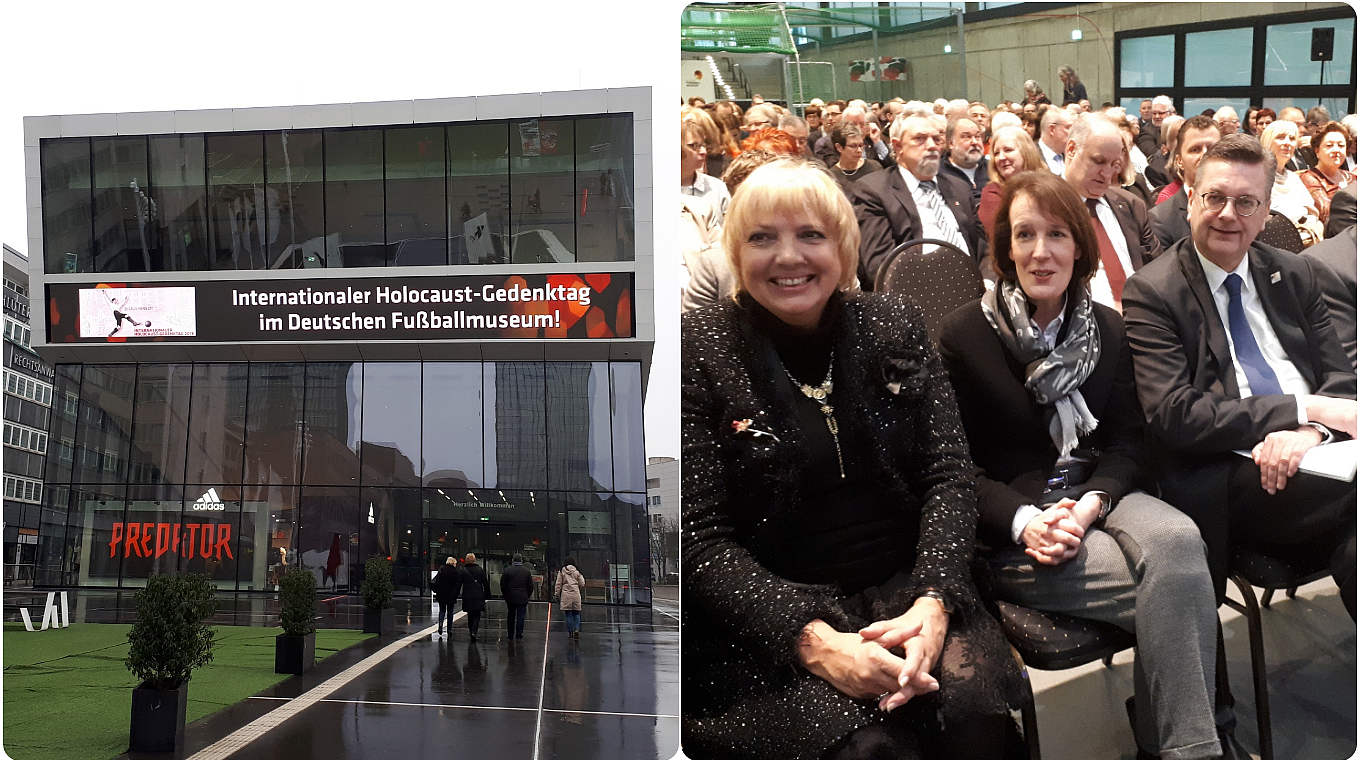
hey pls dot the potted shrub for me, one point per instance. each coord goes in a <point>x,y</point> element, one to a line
<point>295,648</point>
<point>169,640</point>
<point>379,617</point>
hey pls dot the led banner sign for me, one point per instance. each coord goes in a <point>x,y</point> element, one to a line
<point>596,305</point>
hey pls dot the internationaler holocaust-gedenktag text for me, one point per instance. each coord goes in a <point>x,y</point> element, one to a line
<point>404,294</point>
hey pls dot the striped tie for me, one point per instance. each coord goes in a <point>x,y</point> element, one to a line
<point>944,221</point>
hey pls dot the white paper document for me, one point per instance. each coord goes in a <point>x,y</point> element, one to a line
<point>1331,460</point>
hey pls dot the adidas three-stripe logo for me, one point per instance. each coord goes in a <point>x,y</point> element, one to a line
<point>209,502</point>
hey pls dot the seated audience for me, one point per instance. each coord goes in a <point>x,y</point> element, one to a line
<point>1330,145</point>
<point>1290,196</point>
<point>1011,151</point>
<point>1168,218</point>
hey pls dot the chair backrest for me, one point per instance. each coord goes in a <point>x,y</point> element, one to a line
<point>936,276</point>
<point>1281,233</point>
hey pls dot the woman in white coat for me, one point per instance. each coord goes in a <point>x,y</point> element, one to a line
<point>569,587</point>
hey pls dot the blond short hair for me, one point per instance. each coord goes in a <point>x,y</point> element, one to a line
<point>791,185</point>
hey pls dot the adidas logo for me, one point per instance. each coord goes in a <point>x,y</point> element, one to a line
<point>209,502</point>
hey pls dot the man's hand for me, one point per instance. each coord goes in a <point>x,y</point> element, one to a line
<point>1279,455</point>
<point>1054,535</point>
<point>1335,413</point>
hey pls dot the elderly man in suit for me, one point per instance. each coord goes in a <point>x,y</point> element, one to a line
<point>1095,158</point>
<point>1150,136</point>
<point>913,199</point>
<point>1053,131</point>
<point>1334,263</point>
<point>1234,351</point>
<point>1169,220</point>
<point>1342,214</point>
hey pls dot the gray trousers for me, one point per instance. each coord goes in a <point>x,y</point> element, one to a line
<point>1144,570</point>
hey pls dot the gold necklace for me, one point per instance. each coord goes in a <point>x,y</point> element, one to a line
<point>821,394</point>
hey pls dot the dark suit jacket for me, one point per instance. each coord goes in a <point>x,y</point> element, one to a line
<point>1169,222</point>
<point>1182,364</point>
<point>517,584</point>
<point>888,217</point>
<point>980,176</point>
<point>1342,214</point>
<point>1008,431</point>
<point>1132,215</point>
<point>1334,263</point>
<point>1149,138</point>
<point>1157,174</point>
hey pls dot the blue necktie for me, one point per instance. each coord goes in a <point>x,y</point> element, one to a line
<point>1260,376</point>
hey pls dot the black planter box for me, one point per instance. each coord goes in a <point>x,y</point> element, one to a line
<point>158,718</point>
<point>381,622</point>
<point>294,654</point>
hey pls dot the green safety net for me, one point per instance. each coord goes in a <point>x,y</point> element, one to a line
<point>770,27</point>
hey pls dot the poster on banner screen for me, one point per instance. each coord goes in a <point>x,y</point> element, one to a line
<point>137,312</point>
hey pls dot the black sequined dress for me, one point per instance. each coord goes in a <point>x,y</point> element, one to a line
<point>774,537</point>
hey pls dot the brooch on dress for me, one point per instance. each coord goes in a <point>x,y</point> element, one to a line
<point>744,426</point>
<point>904,375</point>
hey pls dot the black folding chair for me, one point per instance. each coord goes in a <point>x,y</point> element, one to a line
<point>933,274</point>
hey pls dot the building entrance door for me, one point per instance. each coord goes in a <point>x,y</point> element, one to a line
<point>494,545</point>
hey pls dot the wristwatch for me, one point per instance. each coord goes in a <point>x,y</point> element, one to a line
<point>1106,504</point>
<point>939,596</point>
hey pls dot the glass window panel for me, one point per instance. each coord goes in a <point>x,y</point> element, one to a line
<point>393,532</point>
<point>53,567</point>
<point>1335,106</point>
<point>64,422</point>
<point>217,419</point>
<point>579,426</point>
<point>542,181</point>
<point>154,539</point>
<point>98,537</point>
<point>1147,61</point>
<point>211,533</point>
<point>630,461</point>
<point>604,188</point>
<point>66,184</point>
<point>328,541</point>
<point>160,423</point>
<point>630,571</point>
<point>451,424</point>
<point>331,454</point>
<point>514,424</point>
<point>479,193</point>
<point>122,207</point>
<point>1219,58</point>
<point>273,535</point>
<point>296,200</point>
<point>415,197</point>
<point>586,536</point>
<point>181,200</point>
<point>274,423</point>
<point>236,195</point>
<point>105,426</point>
<point>1289,52</point>
<point>391,415</point>
<point>354,198</point>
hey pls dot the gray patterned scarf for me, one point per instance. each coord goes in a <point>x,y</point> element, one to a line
<point>1054,377</point>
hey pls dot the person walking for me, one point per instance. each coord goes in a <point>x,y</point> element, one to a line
<point>475,591</point>
<point>568,589</point>
<point>517,583</point>
<point>447,583</point>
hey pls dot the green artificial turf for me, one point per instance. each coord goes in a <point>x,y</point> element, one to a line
<point>68,696</point>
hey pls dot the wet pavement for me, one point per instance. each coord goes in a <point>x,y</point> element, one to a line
<point>614,693</point>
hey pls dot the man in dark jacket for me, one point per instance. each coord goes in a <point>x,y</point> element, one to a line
<point>446,585</point>
<point>517,584</point>
<point>475,590</point>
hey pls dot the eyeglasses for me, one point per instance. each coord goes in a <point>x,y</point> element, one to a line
<point>1244,205</point>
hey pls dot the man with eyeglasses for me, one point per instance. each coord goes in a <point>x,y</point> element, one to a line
<point>1227,121</point>
<point>1150,138</point>
<point>913,199</point>
<point>1240,374</point>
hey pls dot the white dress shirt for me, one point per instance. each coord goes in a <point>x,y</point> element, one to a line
<point>929,227</point>
<point>1052,159</point>
<point>1100,284</point>
<point>1291,381</point>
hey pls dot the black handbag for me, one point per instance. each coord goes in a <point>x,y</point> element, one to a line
<point>1069,476</point>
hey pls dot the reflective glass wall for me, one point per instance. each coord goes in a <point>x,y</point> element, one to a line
<point>243,470</point>
<point>487,192</point>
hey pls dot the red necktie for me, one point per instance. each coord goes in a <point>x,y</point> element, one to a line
<point>1114,270</point>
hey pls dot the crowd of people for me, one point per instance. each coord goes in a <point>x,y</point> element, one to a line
<point>1167,329</point>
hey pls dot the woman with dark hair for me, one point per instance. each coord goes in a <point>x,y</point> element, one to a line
<point>1264,116</point>
<point>1073,89</point>
<point>1044,381</point>
<point>828,509</point>
<point>1331,145</point>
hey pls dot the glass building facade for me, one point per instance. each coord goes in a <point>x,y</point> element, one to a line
<point>543,190</point>
<point>243,470</point>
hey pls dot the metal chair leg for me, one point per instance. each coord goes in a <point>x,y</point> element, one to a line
<point>1252,612</point>
<point>1108,660</point>
<point>1266,594</point>
<point>1291,591</point>
<point>1029,721</point>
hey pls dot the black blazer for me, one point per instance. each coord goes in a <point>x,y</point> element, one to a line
<point>1149,138</point>
<point>979,181</point>
<point>1169,222</point>
<point>1132,215</point>
<point>1342,214</point>
<point>1158,176</point>
<point>1334,263</point>
<point>1008,430</point>
<point>475,587</point>
<point>517,584</point>
<point>447,584</point>
<point>1182,364</point>
<point>888,217</point>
